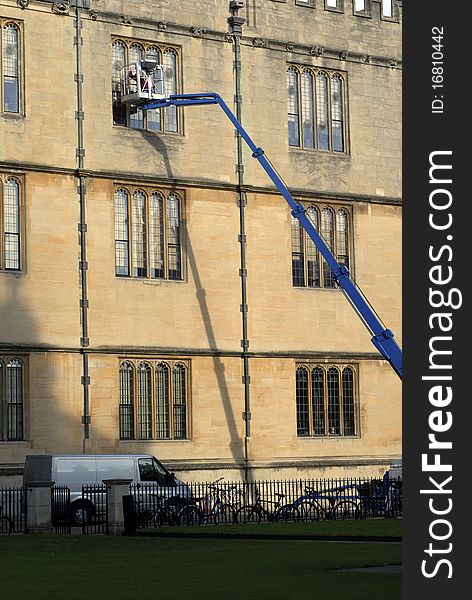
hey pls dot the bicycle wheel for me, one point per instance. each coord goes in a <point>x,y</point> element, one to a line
<point>287,513</point>
<point>363,510</point>
<point>189,515</point>
<point>396,510</point>
<point>144,519</point>
<point>6,525</point>
<point>248,514</point>
<point>309,511</point>
<point>371,508</point>
<point>224,515</point>
<point>162,516</point>
<point>346,509</point>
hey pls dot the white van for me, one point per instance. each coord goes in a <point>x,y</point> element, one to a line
<point>77,470</point>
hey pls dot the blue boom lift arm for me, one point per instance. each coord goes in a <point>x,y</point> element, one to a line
<point>382,338</point>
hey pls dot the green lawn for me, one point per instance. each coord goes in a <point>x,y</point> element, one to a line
<point>370,528</point>
<point>100,567</point>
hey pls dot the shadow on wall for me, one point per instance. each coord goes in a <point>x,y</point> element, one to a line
<point>236,442</point>
<point>160,147</point>
<point>38,388</point>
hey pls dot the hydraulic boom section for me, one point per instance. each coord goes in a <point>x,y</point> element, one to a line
<point>382,338</point>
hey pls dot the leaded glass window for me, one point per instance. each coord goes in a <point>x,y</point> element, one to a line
<point>313,267</point>
<point>293,108</point>
<point>156,235</point>
<point>342,237</point>
<point>322,111</point>
<point>121,233</point>
<point>162,401</point>
<point>326,400</point>
<point>148,233</point>
<point>170,70</point>
<point>179,401</point>
<point>308,122</point>
<point>298,254</point>
<point>337,118</point>
<point>10,222</point>
<point>11,399</point>
<point>316,109</point>
<point>327,232</point>
<point>136,117</point>
<point>309,268</point>
<point>126,401</point>
<point>125,52</point>
<point>302,402</point>
<point>144,402</point>
<point>10,67</point>
<point>139,221</point>
<point>154,401</point>
<point>348,400</point>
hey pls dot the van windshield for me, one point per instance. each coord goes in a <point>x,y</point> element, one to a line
<point>151,470</point>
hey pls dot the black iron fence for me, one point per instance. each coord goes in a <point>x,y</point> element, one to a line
<point>80,513</point>
<point>60,509</point>
<point>12,510</point>
<point>218,502</point>
<point>223,502</point>
<point>91,512</point>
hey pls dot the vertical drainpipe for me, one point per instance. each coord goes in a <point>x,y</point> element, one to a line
<point>82,226</point>
<point>235,28</point>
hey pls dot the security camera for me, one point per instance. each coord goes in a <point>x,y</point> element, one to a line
<point>236,4</point>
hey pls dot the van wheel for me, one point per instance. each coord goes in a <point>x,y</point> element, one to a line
<point>80,514</point>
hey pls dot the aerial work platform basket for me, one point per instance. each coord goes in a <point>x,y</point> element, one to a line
<point>142,80</point>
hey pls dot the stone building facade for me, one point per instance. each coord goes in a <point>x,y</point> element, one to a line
<point>121,269</point>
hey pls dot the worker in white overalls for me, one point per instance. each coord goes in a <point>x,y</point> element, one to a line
<point>145,80</point>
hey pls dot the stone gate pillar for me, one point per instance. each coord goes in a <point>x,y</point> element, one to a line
<point>38,508</point>
<point>117,488</point>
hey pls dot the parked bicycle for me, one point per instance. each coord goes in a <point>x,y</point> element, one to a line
<point>215,507</point>
<point>147,517</point>
<point>270,510</point>
<point>380,498</point>
<point>328,504</point>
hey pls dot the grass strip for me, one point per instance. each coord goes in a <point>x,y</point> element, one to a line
<point>101,567</point>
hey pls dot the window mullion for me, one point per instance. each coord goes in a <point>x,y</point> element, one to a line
<point>134,400</point>
<point>329,112</point>
<point>300,108</point>
<point>2,400</point>
<point>322,261</point>
<point>165,222</point>
<point>187,397</point>
<point>334,249</point>
<point>315,110</point>
<point>1,67</point>
<point>128,108</point>
<point>147,248</point>
<point>130,233</point>
<point>145,51</point>
<point>305,250</point>
<point>344,115</point>
<point>326,401</point>
<point>1,212</point>
<point>310,402</point>
<point>170,400</point>
<point>153,402</point>
<point>341,401</point>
